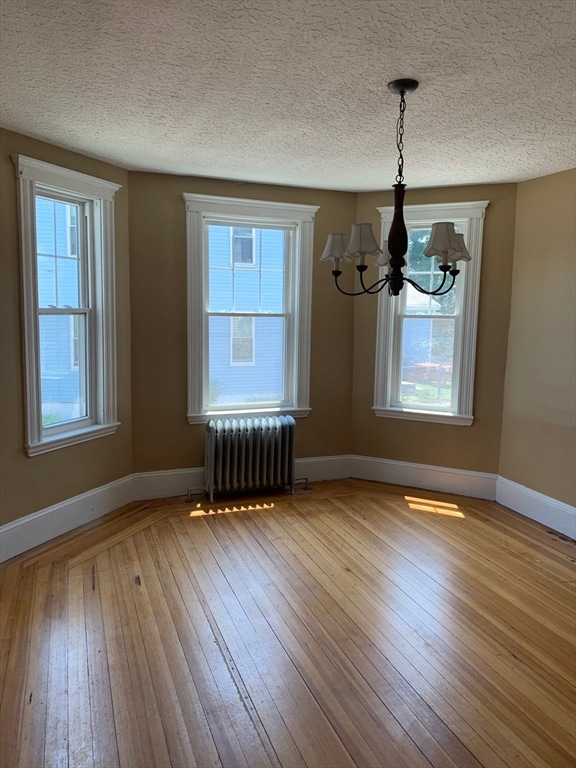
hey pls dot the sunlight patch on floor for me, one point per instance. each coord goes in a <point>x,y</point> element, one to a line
<point>225,510</point>
<point>436,507</point>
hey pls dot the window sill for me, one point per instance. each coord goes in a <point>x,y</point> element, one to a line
<point>435,417</point>
<point>65,439</point>
<point>202,418</point>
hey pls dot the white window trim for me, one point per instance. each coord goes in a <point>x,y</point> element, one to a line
<point>473,215</point>
<point>202,207</point>
<point>37,176</point>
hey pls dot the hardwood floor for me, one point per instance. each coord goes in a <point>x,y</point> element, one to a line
<point>356,624</point>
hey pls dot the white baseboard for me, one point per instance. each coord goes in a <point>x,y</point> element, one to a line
<point>324,468</point>
<point>39,527</point>
<point>481,485</point>
<point>544,509</point>
<point>163,484</point>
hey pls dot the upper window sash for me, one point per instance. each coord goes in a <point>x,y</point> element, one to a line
<point>82,248</point>
<point>469,218</point>
<point>96,197</point>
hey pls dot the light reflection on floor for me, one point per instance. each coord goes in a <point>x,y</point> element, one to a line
<point>225,510</point>
<point>436,507</point>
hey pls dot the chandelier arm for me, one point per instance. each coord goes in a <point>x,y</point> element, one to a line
<point>372,289</point>
<point>347,293</point>
<point>423,290</point>
<point>438,290</point>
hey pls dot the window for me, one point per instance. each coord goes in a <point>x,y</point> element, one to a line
<point>426,344</point>
<point>242,340</point>
<point>249,294</point>
<point>243,245</point>
<point>66,226</point>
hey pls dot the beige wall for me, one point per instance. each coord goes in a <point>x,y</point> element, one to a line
<point>30,484</point>
<point>538,429</point>
<point>162,437</point>
<point>536,433</point>
<point>475,447</point>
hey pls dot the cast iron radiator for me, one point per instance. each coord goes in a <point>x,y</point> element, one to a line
<point>247,454</point>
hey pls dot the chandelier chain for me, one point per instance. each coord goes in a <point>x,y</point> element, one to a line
<point>400,138</point>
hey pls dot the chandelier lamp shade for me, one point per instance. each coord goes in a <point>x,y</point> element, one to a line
<point>445,243</point>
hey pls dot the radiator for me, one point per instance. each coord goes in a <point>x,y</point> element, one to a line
<point>248,454</point>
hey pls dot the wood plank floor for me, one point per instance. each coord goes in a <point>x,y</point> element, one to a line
<point>355,624</point>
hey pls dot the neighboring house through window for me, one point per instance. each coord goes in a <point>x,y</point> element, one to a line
<point>243,245</point>
<point>67,244</point>
<point>426,345</point>
<point>242,341</point>
<point>249,294</point>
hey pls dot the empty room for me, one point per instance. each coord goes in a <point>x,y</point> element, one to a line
<point>288,384</point>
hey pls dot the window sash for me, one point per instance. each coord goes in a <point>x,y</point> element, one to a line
<point>82,257</point>
<point>85,369</point>
<point>85,282</point>
<point>397,395</point>
<point>400,313</point>
<point>289,316</point>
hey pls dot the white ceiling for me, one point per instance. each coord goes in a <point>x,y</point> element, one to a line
<point>294,91</point>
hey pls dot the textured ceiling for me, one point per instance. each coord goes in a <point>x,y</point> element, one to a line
<point>294,91</point>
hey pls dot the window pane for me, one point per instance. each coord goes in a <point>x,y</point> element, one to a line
<point>219,246</point>
<point>417,241</point>
<point>427,362</point>
<point>273,248</point>
<point>67,283</point>
<point>419,304</point>
<point>46,270</point>
<point>242,351</point>
<point>220,296</point>
<point>242,245</point>
<point>58,255</point>
<point>446,305</point>
<point>245,384</point>
<point>242,327</point>
<point>63,368</point>
<point>246,290</point>
<point>242,283</point>
<point>272,291</point>
<point>45,226</point>
<point>242,347</point>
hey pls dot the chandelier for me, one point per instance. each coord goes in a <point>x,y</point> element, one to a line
<point>445,243</point>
